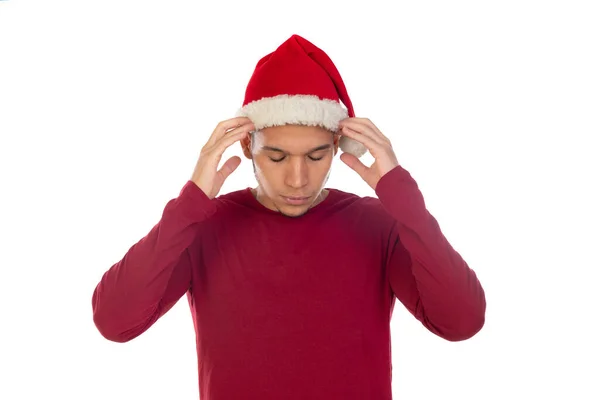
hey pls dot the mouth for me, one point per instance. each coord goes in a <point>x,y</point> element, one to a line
<point>296,201</point>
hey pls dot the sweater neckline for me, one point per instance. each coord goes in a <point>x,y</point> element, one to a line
<point>319,208</point>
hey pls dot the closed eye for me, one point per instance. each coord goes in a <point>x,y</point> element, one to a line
<point>283,158</point>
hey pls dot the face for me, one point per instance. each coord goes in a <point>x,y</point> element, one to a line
<point>291,161</point>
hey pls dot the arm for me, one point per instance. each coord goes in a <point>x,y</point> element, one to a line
<point>154,273</point>
<point>425,273</point>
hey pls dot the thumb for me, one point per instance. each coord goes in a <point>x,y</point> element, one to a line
<point>354,163</point>
<point>227,169</point>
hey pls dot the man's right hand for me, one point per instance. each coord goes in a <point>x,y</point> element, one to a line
<point>206,176</point>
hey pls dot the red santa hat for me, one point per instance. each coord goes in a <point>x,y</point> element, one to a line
<point>299,84</point>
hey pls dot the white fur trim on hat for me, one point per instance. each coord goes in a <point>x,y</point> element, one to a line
<point>307,110</point>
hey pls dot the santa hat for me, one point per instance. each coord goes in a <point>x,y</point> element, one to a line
<point>299,84</point>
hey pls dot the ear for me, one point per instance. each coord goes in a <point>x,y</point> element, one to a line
<point>246,144</point>
<point>336,142</point>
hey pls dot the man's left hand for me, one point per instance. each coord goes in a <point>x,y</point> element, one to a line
<point>380,147</point>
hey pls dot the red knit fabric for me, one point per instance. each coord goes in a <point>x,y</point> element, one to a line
<point>294,308</point>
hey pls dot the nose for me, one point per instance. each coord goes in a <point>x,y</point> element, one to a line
<point>297,174</point>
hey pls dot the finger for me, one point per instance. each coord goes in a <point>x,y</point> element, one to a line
<point>375,129</point>
<point>355,164</point>
<point>249,127</point>
<point>360,127</point>
<point>224,127</point>
<point>230,139</point>
<point>366,127</point>
<point>211,156</point>
<point>227,169</point>
<point>369,143</point>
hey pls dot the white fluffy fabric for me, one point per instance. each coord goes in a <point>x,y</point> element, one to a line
<point>301,110</point>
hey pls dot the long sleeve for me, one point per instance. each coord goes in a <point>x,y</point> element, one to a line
<point>154,273</point>
<point>425,273</point>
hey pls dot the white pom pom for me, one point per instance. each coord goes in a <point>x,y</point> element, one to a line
<point>352,146</point>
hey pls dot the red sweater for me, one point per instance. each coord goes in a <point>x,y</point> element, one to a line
<point>294,308</point>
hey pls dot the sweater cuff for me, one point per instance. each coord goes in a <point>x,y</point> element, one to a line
<point>194,203</point>
<point>394,174</point>
<point>400,195</point>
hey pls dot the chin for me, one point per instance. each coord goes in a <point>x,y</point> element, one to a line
<point>291,211</point>
<point>297,215</point>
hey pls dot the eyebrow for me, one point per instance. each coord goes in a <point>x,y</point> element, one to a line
<point>322,147</point>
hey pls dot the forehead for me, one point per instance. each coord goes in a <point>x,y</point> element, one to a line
<point>294,139</point>
<point>293,134</point>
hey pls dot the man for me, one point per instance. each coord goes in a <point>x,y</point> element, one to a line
<point>291,284</point>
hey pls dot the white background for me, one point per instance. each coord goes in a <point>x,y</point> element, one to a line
<point>494,107</point>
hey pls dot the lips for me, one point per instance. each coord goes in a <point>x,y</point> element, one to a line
<point>296,200</point>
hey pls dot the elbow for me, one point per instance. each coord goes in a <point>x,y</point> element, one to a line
<point>106,322</point>
<point>120,321</point>
<point>120,327</point>
<point>108,329</point>
<point>466,329</point>
<point>468,322</point>
<point>459,323</point>
<point>468,319</point>
<point>107,325</point>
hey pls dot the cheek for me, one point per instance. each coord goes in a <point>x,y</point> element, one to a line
<point>266,176</point>
<point>260,168</point>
